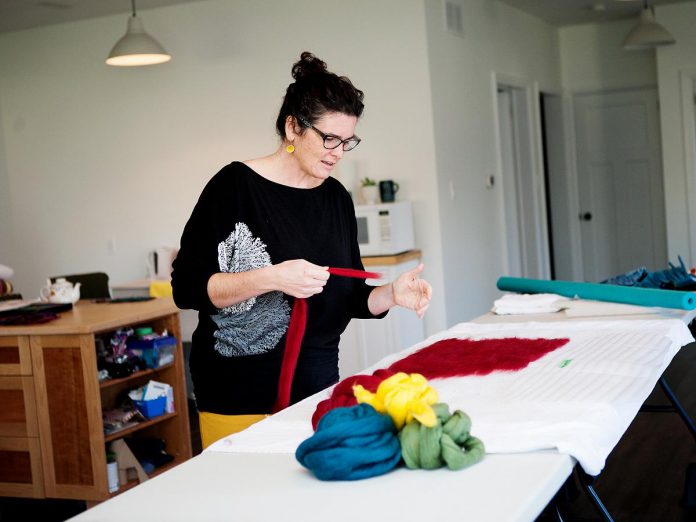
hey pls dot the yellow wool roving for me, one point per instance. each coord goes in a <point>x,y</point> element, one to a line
<point>403,397</point>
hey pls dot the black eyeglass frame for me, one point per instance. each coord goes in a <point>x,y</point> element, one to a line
<point>324,136</point>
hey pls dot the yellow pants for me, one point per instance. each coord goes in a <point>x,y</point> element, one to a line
<point>214,426</point>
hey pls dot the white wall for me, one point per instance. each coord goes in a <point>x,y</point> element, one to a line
<point>102,164</point>
<point>501,39</point>
<point>673,60</point>
<point>592,59</point>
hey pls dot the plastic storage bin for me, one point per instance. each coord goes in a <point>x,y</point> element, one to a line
<point>152,408</point>
<point>155,352</point>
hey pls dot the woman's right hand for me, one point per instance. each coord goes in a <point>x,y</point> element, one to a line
<point>300,278</point>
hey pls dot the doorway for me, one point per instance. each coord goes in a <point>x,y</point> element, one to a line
<point>620,186</point>
<point>561,187</point>
<point>523,194</point>
<point>688,109</point>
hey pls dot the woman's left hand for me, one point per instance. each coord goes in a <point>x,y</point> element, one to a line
<point>412,292</point>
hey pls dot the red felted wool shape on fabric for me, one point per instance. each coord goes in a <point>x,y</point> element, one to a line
<point>460,357</point>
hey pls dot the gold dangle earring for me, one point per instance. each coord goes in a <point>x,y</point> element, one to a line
<point>290,148</point>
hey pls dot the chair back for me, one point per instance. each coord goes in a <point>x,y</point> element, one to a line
<point>94,285</point>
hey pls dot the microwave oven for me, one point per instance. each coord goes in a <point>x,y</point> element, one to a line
<point>385,229</point>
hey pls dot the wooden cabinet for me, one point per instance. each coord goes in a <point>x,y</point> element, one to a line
<point>52,442</point>
<point>20,454</point>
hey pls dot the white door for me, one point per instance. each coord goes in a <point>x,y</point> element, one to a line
<point>620,183</point>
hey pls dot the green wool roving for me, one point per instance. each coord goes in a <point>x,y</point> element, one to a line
<point>447,443</point>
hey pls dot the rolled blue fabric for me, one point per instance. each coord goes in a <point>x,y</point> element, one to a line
<point>602,292</point>
<point>351,443</point>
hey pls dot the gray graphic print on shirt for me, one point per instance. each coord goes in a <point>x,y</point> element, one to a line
<point>256,325</point>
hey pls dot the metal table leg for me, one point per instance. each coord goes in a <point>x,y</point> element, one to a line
<point>587,483</point>
<point>678,407</point>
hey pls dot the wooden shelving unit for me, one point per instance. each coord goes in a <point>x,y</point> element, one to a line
<point>51,428</point>
<point>150,371</point>
<point>137,427</point>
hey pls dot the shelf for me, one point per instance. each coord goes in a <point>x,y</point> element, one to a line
<point>158,471</point>
<point>141,425</point>
<point>149,371</point>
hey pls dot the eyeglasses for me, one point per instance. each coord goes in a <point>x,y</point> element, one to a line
<point>331,141</point>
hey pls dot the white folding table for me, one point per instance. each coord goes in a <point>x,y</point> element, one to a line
<point>251,486</point>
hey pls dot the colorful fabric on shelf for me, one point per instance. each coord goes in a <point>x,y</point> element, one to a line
<point>447,443</point>
<point>22,318</point>
<point>351,443</point>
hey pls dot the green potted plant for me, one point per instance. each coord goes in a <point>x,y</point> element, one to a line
<point>369,191</point>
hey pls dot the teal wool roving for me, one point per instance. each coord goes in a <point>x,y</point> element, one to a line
<point>447,443</point>
<point>351,443</point>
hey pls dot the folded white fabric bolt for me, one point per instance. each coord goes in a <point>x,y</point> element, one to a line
<point>512,304</point>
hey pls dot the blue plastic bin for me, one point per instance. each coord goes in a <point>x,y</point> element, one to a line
<point>153,407</point>
<point>155,352</point>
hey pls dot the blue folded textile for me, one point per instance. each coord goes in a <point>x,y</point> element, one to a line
<point>351,443</point>
<point>674,277</point>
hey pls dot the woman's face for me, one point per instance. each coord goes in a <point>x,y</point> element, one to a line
<point>315,160</point>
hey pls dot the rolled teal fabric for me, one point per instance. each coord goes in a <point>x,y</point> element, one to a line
<point>601,292</point>
<point>351,443</point>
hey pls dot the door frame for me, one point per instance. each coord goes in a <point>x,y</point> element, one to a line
<point>687,81</point>
<point>530,90</point>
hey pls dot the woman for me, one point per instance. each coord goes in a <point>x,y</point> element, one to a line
<point>265,231</point>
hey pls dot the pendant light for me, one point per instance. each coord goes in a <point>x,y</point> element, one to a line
<point>647,34</point>
<point>137,47</point>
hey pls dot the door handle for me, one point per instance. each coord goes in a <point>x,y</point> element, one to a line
<point>586,216</point>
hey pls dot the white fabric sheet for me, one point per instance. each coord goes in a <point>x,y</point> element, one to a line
<point>579,399</point>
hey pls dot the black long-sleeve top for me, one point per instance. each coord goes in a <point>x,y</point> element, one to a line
<point>243,221</point>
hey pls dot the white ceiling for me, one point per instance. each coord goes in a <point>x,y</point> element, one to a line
<point>573,12</point>
<point>24,14</point>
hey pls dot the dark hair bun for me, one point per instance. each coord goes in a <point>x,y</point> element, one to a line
<point>315,92</point>
<point>308,65</point>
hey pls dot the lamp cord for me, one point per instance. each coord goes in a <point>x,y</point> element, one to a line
<point>133,5</point>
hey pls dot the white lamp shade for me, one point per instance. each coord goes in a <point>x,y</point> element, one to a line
<point>648,34</point>
<point>137,47</point>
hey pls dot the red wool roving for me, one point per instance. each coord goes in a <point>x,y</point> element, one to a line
<point>293,338</point>
<point>460,357</point>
